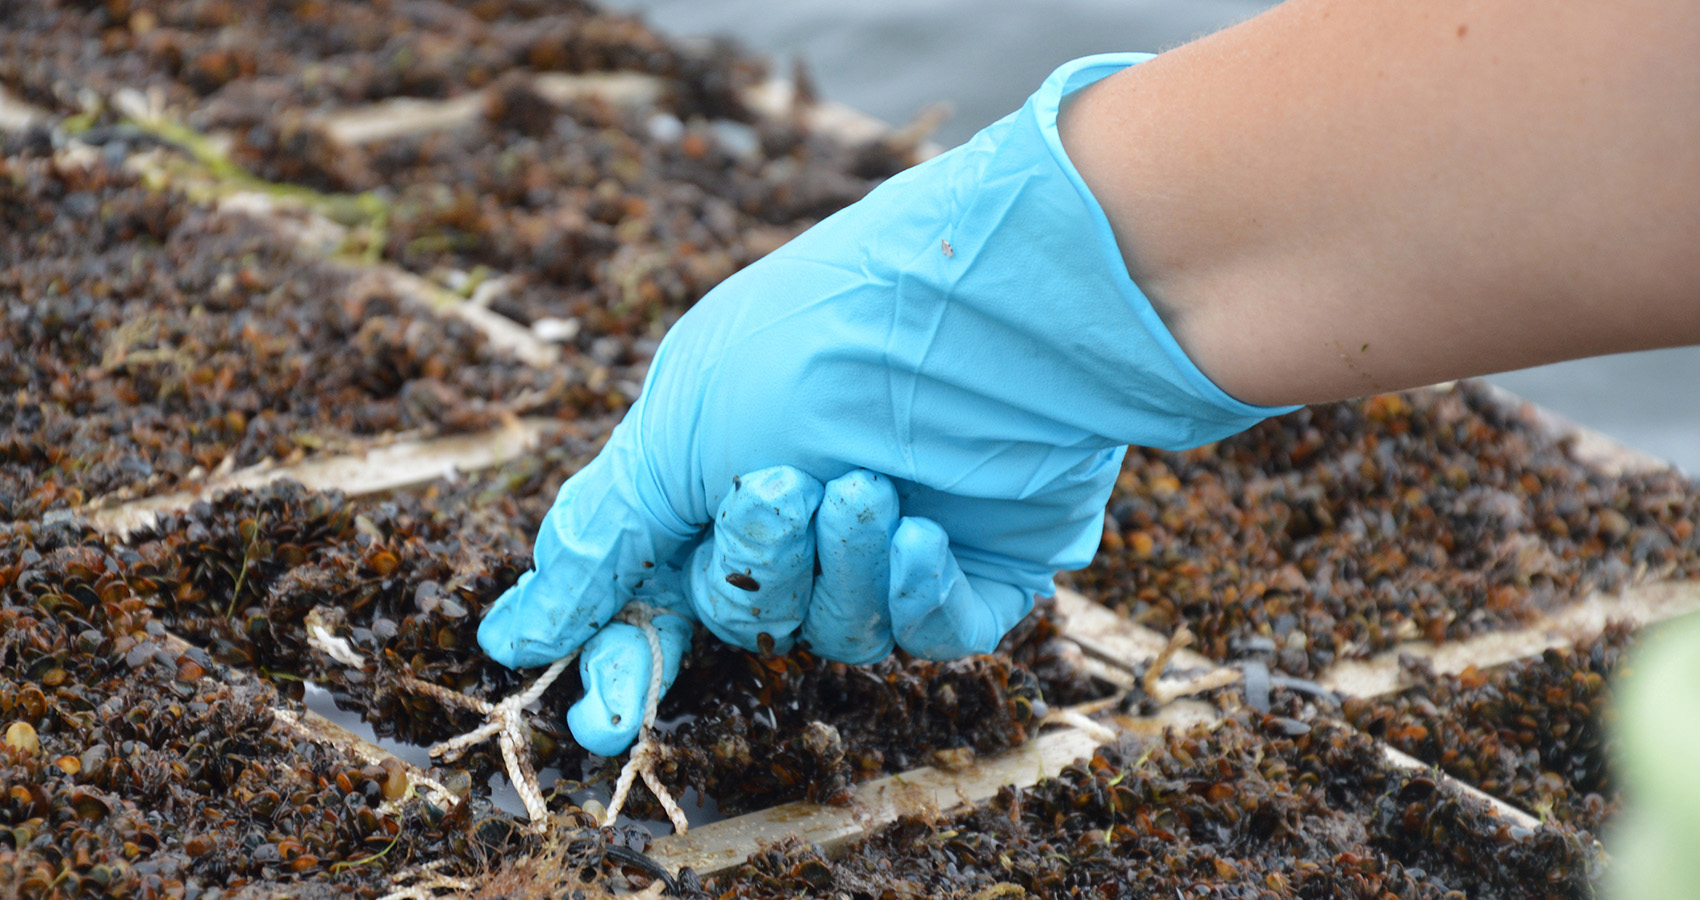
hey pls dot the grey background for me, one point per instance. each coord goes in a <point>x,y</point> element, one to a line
<point>892,58</point>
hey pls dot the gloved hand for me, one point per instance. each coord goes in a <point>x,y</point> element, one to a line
<point>966,337</point>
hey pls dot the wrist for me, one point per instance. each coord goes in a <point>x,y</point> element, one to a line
<point>1121,143</point>
<point>1085,133</point>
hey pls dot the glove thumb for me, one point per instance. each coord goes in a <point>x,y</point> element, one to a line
<point>609,529</point>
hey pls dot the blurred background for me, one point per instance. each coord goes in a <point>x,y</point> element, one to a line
<point>894,58</point>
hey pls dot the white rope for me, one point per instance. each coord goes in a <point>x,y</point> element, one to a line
<point>643,616</point>
<point>642,760</point>
<point>506,721</point>
<point>320,638</point>
<point>628,773</point>
<point>435,791</point>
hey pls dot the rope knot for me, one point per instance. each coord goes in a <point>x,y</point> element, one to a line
<point>505,719</point>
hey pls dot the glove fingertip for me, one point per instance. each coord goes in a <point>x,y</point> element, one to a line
<point>616,669</point>
<point>750,583</point>
<point>601,729</point>
<point>778,498</point>
<point>922,576</point>
<point>857,497</point>
<point>920,560</point>
<point>849,618</point>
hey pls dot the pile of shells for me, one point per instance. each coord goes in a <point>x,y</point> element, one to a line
<point>1536,733</point>
<point>1240,809</point>
<point>135,768</point>
<point>245,575</point>
<point>1344,529</point>
<point>90,625</point>
<point>765,730</point>
<point>218,345</point>
<point>604,215</point>
<point>405,580</point>
<point>223,56</point>
<point>146,341</point>
<point>612,216</point>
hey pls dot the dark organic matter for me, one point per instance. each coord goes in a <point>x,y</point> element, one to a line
<point>1537,733</point>
<point>152,774</point>
<point>1235,810</point>
<point>1344,529</point>
<point>146,341</point>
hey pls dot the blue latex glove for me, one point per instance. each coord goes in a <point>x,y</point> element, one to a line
<point>969,332</point>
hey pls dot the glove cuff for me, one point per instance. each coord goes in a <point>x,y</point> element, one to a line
<point>998,246</point>
<point>1095,245</point>
<point>1044,106</point>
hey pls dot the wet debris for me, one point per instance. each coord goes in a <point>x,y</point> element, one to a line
<point>1237,809</point>
<point>147,342</point>
<point>133,769</point>
<point>364,598</point>
<point>1344,529</point>
<point>1536,733</point>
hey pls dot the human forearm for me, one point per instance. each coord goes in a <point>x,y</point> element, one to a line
<point>1336,198</point>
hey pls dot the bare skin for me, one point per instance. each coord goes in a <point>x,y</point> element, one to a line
<point>1339,197</point>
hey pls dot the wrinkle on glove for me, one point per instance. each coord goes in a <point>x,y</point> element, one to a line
<point>995,383</point>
